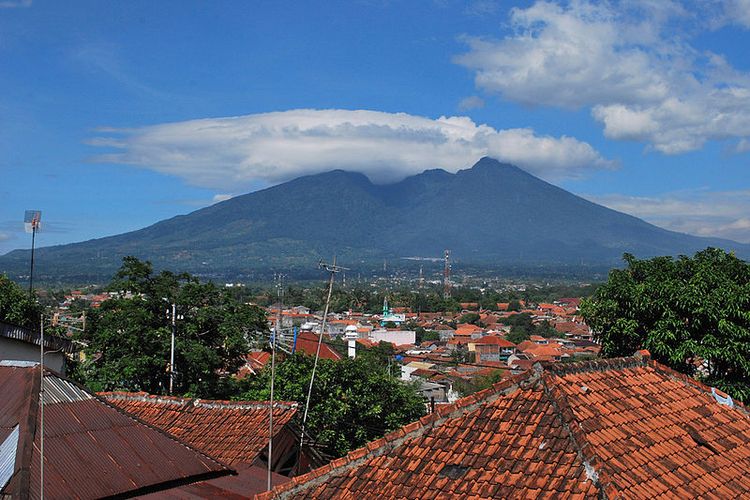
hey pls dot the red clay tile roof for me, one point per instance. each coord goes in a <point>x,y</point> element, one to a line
<point>625,427</point>
<point>91,449</point>
<point>235,432</point>
<point>494,340</point>
<point>307,343</point>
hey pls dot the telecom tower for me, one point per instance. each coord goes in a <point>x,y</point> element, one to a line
<point>447,275</point>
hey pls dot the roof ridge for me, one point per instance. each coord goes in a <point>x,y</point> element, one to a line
<point>228,469</point>
<point>27,433</point>
<point>595,467</point>
<point>396,438</point>
<point>191,402</point>
<point>640,358</point>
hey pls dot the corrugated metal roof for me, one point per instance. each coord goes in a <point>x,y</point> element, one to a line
<point>31,336</point>
<point>91,449</point>
<point>8,450</point>
<point>58,390</point>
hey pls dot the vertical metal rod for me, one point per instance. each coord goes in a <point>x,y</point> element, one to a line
<point>171,354</point>
<point>273,375</point>
<point>31,271</point>
<point>41,408</point>
<point>317,354</point>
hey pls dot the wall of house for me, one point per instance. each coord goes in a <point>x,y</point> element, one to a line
<point>17,350</point>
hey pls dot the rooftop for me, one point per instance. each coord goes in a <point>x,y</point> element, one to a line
<point>91,449</point>
<point>626,427</point>
<point>235,432</point>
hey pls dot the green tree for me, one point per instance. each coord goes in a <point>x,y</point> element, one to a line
<point>128,338</point>
<point>17,307</point>
<point>684,311</point>
<point>471,318</point>
<point>353,401</point>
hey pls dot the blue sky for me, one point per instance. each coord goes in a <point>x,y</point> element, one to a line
<point>115,115</point>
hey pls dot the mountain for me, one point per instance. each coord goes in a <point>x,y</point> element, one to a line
<point>491,213</point>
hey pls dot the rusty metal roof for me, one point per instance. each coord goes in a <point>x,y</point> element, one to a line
<point>91,448</point>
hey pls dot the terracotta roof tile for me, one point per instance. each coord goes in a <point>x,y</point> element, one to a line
<point>626,427</point>
<point>233,431</point>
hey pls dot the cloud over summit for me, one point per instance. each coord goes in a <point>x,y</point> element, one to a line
<point>232,153</point>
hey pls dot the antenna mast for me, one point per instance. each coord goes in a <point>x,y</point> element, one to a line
<point>32,222</point>
<point>332,269</point>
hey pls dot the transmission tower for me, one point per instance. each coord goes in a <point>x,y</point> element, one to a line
<point>447,275</point>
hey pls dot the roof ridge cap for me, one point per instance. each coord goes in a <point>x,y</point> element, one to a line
<point>641,358</point>
<point>596,469</point>
<point>25,448</point>
<point>396,438</point>
<point>227,469</point>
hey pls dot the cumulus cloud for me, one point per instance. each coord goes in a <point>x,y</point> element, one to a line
<point>222,197</point>
<point>4,236</point>
<point>720,214</point>
<point>231,153</point>
<point>626,61</point>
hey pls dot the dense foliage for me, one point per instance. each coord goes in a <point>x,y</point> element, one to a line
<point>17,306</point>
<point>429,299</point>
<point>690,313</point>
<point>352,403</point>
<point>522,328</point>
<point>128,338</point>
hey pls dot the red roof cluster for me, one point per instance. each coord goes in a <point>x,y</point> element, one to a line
<point>625,427</point>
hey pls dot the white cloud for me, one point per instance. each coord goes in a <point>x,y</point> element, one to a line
<point>231,153</point>
<point>471,102</point>
<point>628,62</point>
<point>4,236</point>
<point>737,12</point>
<point>13,4</point>
<point>720,214</point>
<point>222,197</point>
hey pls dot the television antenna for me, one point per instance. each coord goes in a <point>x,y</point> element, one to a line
<point>32,222</point>
<point>332,269</point>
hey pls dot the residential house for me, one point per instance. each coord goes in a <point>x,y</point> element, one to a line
<point>616,428</point>
<point>91,448</point>
<point>234,432</point>
<point>22,344</point>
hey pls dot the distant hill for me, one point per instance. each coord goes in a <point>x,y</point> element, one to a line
<point>491,213</point>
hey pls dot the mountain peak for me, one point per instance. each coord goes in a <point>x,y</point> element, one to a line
<point>491,213</point>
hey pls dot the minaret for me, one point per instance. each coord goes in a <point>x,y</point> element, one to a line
<point>351,339</point>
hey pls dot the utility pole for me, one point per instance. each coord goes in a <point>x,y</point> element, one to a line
<point>41,408</point>
<point>276,333</point>
<point>171,354</point>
